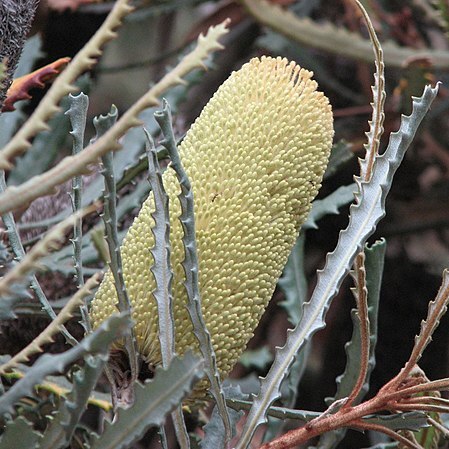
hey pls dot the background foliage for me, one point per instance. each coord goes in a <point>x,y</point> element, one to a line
<point>329,38</point>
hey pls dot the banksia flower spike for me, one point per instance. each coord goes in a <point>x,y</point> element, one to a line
<point>255,158</point>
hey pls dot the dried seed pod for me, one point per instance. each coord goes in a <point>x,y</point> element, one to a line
<point>255,158</point>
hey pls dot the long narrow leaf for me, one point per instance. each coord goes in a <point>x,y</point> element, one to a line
<point>191,269</point>
<point>96,343</point>
<point>154,401</point>
<point>161,269</point>
<point>163,276</point>
<point>77,114</point>
<point>364,216</point>
<point>102,125</point>
<point>374,265</point>
<point>62,426</point>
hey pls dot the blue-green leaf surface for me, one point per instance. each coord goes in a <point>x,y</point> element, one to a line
<point>364,216</point>
<point>96,343</point>
<point>71,408</point>
<point>153,402</point>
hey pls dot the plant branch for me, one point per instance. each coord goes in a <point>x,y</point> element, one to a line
<point>54,327</point>
<point>28,261</point>
<point>436,309</point>
<point>363,425</point>
<point>19,251</point>
<point>63,85</point>
<point>329,38</point>
<point>44,184</point>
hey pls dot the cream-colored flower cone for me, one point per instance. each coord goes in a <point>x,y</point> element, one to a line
<point>255,158</point>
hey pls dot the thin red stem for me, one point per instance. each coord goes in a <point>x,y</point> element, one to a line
<point>391,433</point>
<point>362,306</point>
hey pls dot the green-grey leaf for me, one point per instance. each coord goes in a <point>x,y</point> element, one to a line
<point>364,216</point>
<point>62,426</point>
<point>294,284</point>
<point>374,265</point>
<point>340,154</point>
<point>161,269</point>
<point>214,430</point>
<point>281,413</point>
<point>153,401</point>
<point>191,266</point>
<point>256,358</point>
<point>96,343</point>
<point>19,433</point>
<point>329,205</point>
<point>400,421</point>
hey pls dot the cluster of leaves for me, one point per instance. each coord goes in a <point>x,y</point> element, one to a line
<point>46,412</point>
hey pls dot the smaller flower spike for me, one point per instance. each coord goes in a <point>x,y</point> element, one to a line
<point>255,158</point>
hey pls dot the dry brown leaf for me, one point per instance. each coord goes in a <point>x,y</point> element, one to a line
<point>20,87</point>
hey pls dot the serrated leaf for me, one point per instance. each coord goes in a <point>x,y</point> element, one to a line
<point>163,276</point>
<point>340,154</point>
<point>376,128</point>
<point>329,205</point>
<point>256,358</point>
<point>67,417</point>
<point>436,310</point>
<point>96,343</point>
<point>161,269</point>
<point>103,124</point>
<point>191,267</point>
<point>20,434</point>
<point>375,256</point>
<point>46,145</point>
<point>153,402</point>
<point>294,283</point>
<point>364,216</point>
<point>374,265</point>
<point>281,413</point>
<point>337,40</point>
<point>214,437</point>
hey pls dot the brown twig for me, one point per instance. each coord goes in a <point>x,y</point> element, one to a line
<point>360,293</point>
<point>436,310</point>
<point>362,425</point>
<point>395,396</point>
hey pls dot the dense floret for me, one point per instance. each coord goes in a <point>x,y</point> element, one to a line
<point>255,158</point>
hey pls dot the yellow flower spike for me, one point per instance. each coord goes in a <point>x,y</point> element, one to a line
<point>255,158</point>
